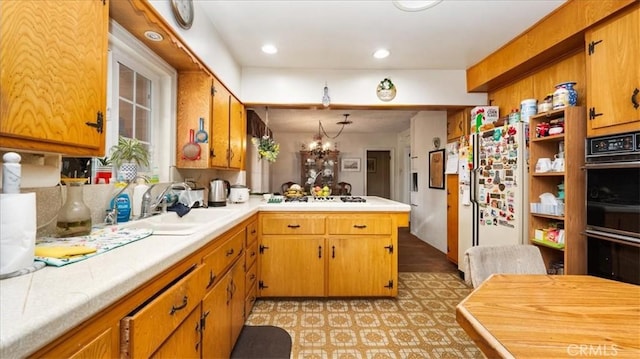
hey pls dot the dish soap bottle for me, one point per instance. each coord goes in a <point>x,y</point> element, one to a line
<point>74,218</point>
<point>123,204</point>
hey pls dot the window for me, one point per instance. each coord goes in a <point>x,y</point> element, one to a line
<point>134,105</point>
<point>141,99</point>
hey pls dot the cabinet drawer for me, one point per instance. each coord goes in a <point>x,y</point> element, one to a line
<point>249,301</point>
<point>147,327</point>
<point>355,224</point>
<point>222,257</point>
<point>292,224</point>
<point>250,278</point>
<point>252,233</point>
<point>251,255</point>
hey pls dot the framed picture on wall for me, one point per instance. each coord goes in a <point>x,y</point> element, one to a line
<point>436,169</point>
<point>350,165</point>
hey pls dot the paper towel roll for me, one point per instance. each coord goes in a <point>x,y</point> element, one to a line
<point>18,234</point>
<point>38,176</point>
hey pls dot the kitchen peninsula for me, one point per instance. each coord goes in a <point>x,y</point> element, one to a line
<point>81,307</point>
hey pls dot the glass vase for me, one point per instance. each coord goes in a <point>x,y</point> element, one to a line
<point>74,218</point>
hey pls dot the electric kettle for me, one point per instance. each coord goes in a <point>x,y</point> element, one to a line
<point>218,192</point>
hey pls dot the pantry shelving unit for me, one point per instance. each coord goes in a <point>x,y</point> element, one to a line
<point>573,253</point>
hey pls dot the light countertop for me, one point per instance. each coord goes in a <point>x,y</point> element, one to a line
<point>39,307</point>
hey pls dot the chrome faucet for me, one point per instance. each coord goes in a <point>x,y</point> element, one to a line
<point>150,207</point>
<point>111,216</point>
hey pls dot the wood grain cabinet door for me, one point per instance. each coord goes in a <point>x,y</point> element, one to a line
<point>360,266</point>
<point>53,62</point>
<point>237,134</point>
<point>613,75</point>
<point>219,136</point>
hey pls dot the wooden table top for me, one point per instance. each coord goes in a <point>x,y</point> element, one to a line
<point>553,316</point>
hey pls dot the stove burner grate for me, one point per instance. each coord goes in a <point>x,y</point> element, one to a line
<point>353,199</point>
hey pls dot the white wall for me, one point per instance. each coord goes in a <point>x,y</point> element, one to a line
<point>356,87</point>
<point>429,206</point>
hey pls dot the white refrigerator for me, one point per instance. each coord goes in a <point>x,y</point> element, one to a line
<point>493,184</point>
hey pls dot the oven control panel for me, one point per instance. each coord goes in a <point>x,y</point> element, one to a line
<point>626,143</point>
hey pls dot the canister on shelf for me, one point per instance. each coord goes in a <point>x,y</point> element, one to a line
<point>528,108</point>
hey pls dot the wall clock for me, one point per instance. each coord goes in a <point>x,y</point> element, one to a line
<point>183,12</point>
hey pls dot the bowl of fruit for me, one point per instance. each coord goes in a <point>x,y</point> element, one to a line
<point>318,191</point>
<point>294,191</point>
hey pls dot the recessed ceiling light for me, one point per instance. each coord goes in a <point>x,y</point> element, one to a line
<point>381,53</point>
<point>153,36</point>
<point>269,49</point>
<point>415,5</point>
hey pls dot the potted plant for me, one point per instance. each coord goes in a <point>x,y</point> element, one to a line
<point>104,169</point>
<point>127,155</point>
<point>267,148</point>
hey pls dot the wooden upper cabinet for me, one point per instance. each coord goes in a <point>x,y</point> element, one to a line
<point>613,75</point>
<point>237,134</point>
<point>201,95</point>
<point>194,102</point>
<point>220,126</point>
<point>53,68</point>
<point>457,124</point>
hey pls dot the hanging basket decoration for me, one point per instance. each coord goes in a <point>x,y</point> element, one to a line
<point>267,148</point>
<point>386,90</point>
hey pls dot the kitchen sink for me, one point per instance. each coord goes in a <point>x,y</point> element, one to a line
<point>170,224</point>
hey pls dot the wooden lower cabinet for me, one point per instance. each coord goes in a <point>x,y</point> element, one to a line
<point>291,266</point>
<point>184,342</point>
<point>99,348</point>
<point>323,254</point>
<point>216,340</point>
<point>360,266</point>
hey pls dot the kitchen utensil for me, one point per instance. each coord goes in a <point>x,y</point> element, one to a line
<point>238,193</point>
<point>218,192</point>
<point>558,164</point>
<point>191,150</point>
<point>202,136</point>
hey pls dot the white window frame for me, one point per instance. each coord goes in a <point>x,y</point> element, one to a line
<point>131,52</point>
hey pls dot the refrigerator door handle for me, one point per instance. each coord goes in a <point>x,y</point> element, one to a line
<point>474,184</point>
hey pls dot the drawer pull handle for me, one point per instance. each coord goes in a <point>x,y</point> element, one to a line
<point>252,276</point>
<point>174,309</point>
<point>360,226</point>
<point>252,254</point>
<point>212,278</point>
<point>253,231</point>
<point>333,251</point>
<point>319,251</point>
<point>230,252</point>
<point>294,226</point>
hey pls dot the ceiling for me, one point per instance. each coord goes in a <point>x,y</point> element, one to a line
<point>317,34</point>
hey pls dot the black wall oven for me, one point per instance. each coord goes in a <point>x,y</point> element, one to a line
<point>613,207</point>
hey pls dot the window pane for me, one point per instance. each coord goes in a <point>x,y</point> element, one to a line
<point>125,118</point>
<point>143,124</point>
<point>126,83</point>
<point>143,91</point>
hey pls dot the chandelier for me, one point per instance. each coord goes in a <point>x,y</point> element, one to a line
<point>319,149</point>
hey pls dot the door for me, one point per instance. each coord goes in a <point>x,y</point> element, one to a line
<point>216,311</point>
<point>291,265</point>
<point>367,260</point>
<point>378,169</point>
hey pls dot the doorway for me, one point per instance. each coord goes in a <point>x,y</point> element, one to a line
<point>378,171</point>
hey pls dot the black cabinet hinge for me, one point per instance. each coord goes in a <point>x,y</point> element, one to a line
<point>99,124</point>
<point>203,320</point>
<point>389,248</point>
<point>213,90</point>
<point>261,285</point>
<point>592,46</point>
<point>390,284</point>
<point>262,248</point>
<point>593,114</point>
